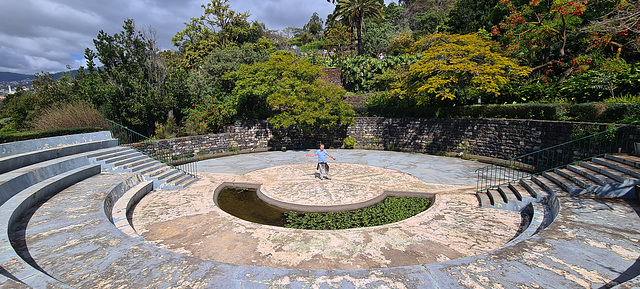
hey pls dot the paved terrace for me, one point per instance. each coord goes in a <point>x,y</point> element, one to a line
<point>189,242</point>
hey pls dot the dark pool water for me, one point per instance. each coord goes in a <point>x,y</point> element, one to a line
<point>245,204</point>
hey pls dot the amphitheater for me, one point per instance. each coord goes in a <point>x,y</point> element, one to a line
<point>84,211</point>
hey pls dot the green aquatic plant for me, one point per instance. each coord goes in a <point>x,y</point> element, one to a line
<point>390,210</point>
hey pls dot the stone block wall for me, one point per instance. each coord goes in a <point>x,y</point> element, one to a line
<point>244,135</point>
<point>332,75</point>
<point>356,100</point>
<point>495,138</point>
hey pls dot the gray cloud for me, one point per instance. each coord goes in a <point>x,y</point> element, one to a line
<point>44,35</point>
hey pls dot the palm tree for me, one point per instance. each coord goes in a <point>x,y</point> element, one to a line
<point>354,12</point>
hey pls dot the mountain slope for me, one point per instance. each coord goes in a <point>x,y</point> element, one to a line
<point>8,76</point>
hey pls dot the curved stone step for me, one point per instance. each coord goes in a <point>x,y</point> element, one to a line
<point>185,181</point>
<point>130,159</point>
<point>94,244</point>
<point>19,179</point>
<point>576,178</point>
<point>605,170</point>
<point>631,171</point>
<point>536,212</point>
<point>136,164</point>
<point>15,260</point>
<point>99,156</point>
<point>508,194</point>
<point>563,183</point>
<point>122,154</point>
<point>524,194</point>
<point>16,161</point>
<point>6,282</point>
<point>625,159</point>
<point>495,198</point>
<point>34,145</point>
<point>594,176</point>
<point>483,199</point>
<point>122,211</point>
<point>534,188</point>
<point>548,184</point>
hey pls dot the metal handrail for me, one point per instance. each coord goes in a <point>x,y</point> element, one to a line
<point>154,149</point>
<point>613,140</point>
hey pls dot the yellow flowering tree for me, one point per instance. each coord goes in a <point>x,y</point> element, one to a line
<point>453,66</point>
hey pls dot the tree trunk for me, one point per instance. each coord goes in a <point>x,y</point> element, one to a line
<point>359,35</point>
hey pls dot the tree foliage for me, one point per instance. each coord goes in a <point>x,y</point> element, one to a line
<point>378,34</point>
<point>618,29</point>
<point>540,30</point>
<point>467,16</point>
<point>135,77</point>
<point>219,26</point>
<point>354,12</point>
<point>315,25</point>
<point>359,73</point>
<point>457,66</point>
<point>288,91</point>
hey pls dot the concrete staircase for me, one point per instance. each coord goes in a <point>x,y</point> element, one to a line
<point>609,176</point>
<point>126,159</point>
<point>536,197</point>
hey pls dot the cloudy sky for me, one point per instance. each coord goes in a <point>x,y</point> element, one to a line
<point>48,35</point>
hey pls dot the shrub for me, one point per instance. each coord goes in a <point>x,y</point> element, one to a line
<point>168,130</point>
<point>591,112</point>
<point>349,142</point>
<point>69,115</point>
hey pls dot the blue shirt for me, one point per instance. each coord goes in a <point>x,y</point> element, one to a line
<point>322,156</point>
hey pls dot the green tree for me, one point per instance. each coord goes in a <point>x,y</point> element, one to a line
<point>429,22</point>
<point>420,6</point>
<point>354,12</point>
<point>338,38</point>
<point>359,73</point>
<point>219,26</point>
<point>315,25</point>
<point>541,30</point>
<point>378,34</point>
<point>467,16</point>
<point>18,109</point>
<point>209,105</point>
<point>618,29</point>
<point>288,91</point>
<point>400,43</point>
<point>457,67</point>
<point>21,108</point>
<point>135,77</point>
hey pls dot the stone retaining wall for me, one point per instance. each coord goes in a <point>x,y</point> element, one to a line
<point>332,75</point>
<point>495,138</point>
<point>356,100</point>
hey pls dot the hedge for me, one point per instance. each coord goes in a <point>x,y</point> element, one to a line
<point>586,112</point>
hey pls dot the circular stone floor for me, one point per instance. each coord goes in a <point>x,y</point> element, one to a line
<point>350,184</point>
<point>188,221</point>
